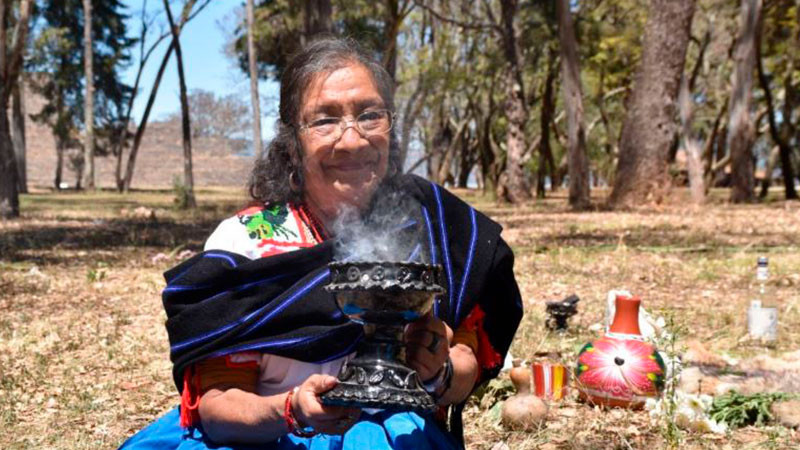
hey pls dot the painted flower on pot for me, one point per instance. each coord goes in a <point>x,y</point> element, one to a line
<point>620,369</point>
<point>619,372</point>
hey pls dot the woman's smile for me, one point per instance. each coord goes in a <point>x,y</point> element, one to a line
<point>351,166</point>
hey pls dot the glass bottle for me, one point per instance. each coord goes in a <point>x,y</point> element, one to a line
<point>762,317</point>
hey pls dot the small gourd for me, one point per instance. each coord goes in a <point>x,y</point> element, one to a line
<point>523,411</point>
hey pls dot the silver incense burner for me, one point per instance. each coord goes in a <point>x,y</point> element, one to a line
<point>383,297</point>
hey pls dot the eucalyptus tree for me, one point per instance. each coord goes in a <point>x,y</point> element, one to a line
<point>12,45</point>
<point>778,64</point>
<point>191,8</point>
<point>253,73</point>
<point>18,133</point>
<point>579,197</point>
<point>741,129</point>
<point>188,176</point>
<point>500,21</point>
<point>649,127</point>
<point>281,28</point>
<point>88,109</point>
<point>610,40</point>
<point>58,64</point>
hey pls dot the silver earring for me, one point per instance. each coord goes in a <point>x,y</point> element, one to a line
<point>293,183</point>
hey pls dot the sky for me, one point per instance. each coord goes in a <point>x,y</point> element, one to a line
<point>205,64</point>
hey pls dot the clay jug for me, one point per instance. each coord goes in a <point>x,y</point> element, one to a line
<point>523,411</point>
<point>620,369</point>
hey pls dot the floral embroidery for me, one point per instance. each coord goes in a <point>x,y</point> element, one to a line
<point>267,223</point>
<point>273,229</point>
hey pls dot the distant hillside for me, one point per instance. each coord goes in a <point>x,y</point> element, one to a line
<point>160,157</point>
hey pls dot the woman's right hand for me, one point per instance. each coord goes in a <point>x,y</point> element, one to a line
<point>308,410</point>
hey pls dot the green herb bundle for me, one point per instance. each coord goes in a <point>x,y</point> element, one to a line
<point>738,410</point>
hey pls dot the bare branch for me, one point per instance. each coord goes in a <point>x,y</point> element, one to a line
<point>418,163</point>
<point>459,23</point>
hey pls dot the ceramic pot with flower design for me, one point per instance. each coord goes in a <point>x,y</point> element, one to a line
<point>620,369</point>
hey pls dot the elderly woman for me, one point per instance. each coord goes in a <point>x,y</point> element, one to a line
<point>255,340</point>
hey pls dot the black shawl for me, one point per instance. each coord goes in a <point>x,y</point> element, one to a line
<point>219,302</point>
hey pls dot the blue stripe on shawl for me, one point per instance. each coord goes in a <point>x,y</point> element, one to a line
<point>431,244</point>
<point>180,288</point>
<point>472,240</point>
<point>445,245</point>
<point>230,260</point>
<point>291,299</point>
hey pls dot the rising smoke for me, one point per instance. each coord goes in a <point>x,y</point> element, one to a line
<point>392,229</point>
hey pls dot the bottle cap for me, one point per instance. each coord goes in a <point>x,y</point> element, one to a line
<point>763,261</point>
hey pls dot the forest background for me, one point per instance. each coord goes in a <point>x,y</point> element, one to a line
<point>515,97</point>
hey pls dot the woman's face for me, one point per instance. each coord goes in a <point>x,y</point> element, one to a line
<point>347,170</point>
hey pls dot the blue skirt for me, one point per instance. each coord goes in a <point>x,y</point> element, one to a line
<point>383,430</point>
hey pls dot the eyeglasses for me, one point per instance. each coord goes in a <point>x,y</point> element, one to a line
<point>368,123</point>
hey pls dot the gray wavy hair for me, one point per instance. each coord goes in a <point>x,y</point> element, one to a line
<point>269,179</point>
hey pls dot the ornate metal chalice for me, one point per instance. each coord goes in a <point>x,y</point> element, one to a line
<point>383,297</point>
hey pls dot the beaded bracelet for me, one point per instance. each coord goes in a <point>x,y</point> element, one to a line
<point>291,421</point>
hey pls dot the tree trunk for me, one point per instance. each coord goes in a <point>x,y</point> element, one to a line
<point>140,129</point>
<point>410,112</point>
<point>391,27</point>
<point>546,160</point>
<point>442,141</point>
<point>691,146</point>
<point>137,139</point>
<point>88,108</point>
<point>515,185</point>
<point>694,158</point>
<point>466,162</point>
<point>487,148</point>
<point>785,152</point>
<point>782,136</point>
<point>649,126</point>
<point>316,18</point>
<point>188,177</point>
<point>143,57</point>
<point>59,164</point>
<point>741,131</point>
<point>772,161</point>
<point>710,148</point>
<point>9,194</point>
<point>251,60</point>
<point>445,173</point>
<point>579,196</point>
<point>10,65</point>
<point>18,134</point>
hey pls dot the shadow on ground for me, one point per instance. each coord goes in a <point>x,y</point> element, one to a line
<point>43,240</point>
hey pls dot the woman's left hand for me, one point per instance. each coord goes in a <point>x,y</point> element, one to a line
<point>427,345</point>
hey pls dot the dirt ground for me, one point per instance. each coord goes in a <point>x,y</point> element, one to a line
<point>84,356</point>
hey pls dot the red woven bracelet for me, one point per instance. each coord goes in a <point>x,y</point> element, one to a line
<point>291,421</point>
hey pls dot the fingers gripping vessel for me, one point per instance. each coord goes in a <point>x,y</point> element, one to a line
<point>383,297</point>
<point>620,369</point>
